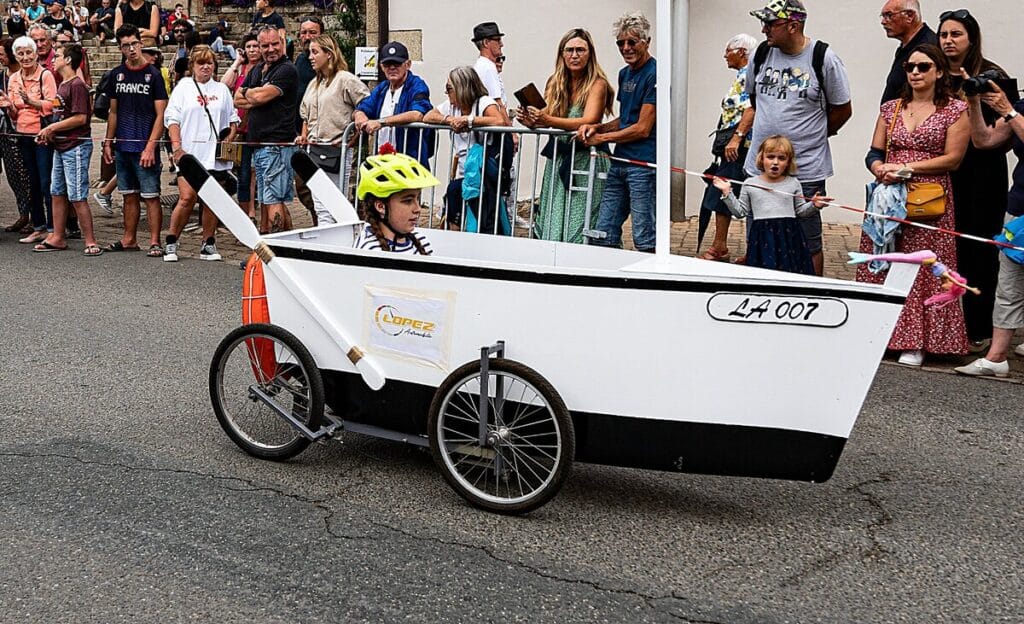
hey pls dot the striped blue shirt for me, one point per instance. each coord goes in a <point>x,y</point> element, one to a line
<point>367,240</point>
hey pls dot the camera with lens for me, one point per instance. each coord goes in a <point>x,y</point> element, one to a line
<point>982,83</point>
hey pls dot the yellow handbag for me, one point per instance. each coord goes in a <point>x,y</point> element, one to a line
<point>926,201</point>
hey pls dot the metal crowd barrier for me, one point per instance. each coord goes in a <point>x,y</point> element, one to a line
<point>509,189</point>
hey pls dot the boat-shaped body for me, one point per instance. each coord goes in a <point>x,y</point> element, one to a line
<point>678,364</point>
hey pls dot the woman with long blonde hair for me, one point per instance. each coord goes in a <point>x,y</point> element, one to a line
<point>577,93</point>
<point>326,109</point>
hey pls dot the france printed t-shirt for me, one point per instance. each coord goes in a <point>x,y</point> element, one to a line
<point>135,91</point>
<point>637,88</point>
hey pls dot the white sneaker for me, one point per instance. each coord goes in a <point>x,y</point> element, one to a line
<point>912,358</point>
<point>106,202</point>
<point>1019,350</point>
<point>171,252</point>
<point>209,252</point>
<point>984,368</point>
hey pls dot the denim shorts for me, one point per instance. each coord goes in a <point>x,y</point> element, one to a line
<point>133,178</point>
<point>70,175</point>
<point>811,224</point>
<point>274,176</point>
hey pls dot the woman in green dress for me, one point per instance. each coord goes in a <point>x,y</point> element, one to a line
<point>577,93</point>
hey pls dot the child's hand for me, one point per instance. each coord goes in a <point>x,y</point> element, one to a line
<point>819,201</point>
<point>722,184</point>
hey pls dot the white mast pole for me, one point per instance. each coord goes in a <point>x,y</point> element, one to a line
<point>664,146</point>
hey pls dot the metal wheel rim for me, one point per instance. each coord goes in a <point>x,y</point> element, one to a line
<point>289,385</point>
<point>537,466</point>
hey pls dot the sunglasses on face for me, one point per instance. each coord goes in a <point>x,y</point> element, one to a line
<point>923,67</point>
<point>448,88</point>
<point>390,65</point>
<point>500,59</point>
<point>624,42</point>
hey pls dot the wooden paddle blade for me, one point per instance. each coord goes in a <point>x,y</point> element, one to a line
<point>218,200</point>
<point>325,192</point>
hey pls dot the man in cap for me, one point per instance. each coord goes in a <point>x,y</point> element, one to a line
<point>56,19</point>
<point>901,20</point>
<point>809,105</point>
<point>403,98</point>
<point>487,38</point>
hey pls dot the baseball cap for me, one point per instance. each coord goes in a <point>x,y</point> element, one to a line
<point>782,9</point>
<point>393,51</point>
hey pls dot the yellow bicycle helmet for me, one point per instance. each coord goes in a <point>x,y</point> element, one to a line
<point>384,175</point>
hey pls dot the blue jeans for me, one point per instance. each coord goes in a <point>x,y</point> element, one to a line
<point>39,160</point>
<point>245,175</point>
<point>274,175</point>
<point>71,172</point>
<point>629,192</point>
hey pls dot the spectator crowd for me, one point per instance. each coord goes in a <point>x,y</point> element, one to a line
<point>945,123</point>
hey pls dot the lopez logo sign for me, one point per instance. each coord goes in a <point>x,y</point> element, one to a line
<point>413,325</point>
<point>392,323</point>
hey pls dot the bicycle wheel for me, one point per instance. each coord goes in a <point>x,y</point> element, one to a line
<point>529,441</point>
<point>269,360</point>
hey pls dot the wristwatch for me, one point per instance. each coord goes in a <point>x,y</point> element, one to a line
<point>1008,117</point>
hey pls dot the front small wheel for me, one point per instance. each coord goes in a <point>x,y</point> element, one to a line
<point>527,443</point>
<point>257,372</point>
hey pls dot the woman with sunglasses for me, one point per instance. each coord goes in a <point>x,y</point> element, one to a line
<point>577,93</point>
<point>979,185</point>
<point>923,135</point>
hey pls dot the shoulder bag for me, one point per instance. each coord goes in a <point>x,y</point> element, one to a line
<point>228,152</point>
<point>926,201</point>
<point>326,155</point>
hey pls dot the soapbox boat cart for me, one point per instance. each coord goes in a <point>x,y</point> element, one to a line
<point>512,358</point>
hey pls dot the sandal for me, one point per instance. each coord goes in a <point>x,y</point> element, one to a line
<point>93,251</point>
<point>715,255</point>
<point>44,247</point>
<point>155,251</point>
<point>119,246</point>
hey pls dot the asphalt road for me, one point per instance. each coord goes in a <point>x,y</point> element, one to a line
<point>123,501</point>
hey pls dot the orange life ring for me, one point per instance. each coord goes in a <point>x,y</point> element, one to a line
<point>255,309</point>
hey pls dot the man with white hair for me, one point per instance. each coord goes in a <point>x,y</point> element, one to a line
<point>630,189</point>
<point>901,19</point>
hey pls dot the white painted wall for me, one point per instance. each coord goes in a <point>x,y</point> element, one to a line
<point>533,28</point>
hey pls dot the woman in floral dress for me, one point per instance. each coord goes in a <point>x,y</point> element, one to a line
<point>929,137</point>
<point>577,93</point>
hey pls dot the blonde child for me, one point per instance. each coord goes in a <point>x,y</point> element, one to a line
<point>776,240</point>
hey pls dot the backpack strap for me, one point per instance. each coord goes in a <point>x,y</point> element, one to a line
<point>818,64</point>
<point>760,56</point>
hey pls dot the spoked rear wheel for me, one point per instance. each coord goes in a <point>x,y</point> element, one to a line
<point>257,372</point>
<point>528,442</point>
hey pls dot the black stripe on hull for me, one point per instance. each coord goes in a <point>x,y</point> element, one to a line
<point>700,448</point>
<point>391,262</point>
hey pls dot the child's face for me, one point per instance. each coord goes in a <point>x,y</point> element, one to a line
<point>775,163</point>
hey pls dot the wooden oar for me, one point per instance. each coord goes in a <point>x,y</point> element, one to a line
<point>324,190</point>
<point>235,219</point>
